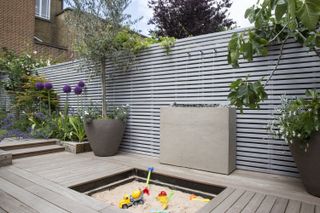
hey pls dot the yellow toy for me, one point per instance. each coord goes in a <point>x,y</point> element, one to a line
<point>163,199</point>
<point>135,198</point>
<point>194,197</point>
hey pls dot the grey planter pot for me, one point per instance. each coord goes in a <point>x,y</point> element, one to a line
<point>308,164</point>
<point>104,136</point>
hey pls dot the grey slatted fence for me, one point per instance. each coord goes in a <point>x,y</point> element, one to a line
<point>196,72</point>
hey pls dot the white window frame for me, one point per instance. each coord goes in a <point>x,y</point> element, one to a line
<point>46,16</point>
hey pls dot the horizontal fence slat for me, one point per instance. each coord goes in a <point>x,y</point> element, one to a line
<point>187,76</point>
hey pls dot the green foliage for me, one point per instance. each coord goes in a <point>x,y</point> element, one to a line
<point>166,43</point>
<point>90,113</point>
<point>77,132</point>
<point>246,94</point>
<point>42,126</point>
<point>66,128</point>
<point>102,31</point>
<point>119,113</point>
<point>299,119</point>
<point>32,100</point>
<point>274,22</point>
<point>18,68</point>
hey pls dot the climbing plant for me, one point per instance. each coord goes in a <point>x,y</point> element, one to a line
<point>275,21</point>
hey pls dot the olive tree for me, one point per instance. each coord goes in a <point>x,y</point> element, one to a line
<point>102,33</point>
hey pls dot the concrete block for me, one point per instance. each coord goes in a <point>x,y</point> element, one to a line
<point>5,158</point>
<point>202,138</point>
<point>76,147</point>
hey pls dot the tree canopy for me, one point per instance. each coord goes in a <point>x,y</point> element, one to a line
<point>184,18</point>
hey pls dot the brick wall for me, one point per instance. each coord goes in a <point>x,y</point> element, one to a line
<point>17,24</point>
<point>17,29</point>
<point>58,54</point>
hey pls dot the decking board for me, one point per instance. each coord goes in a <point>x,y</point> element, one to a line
<point>229,201</point>
<point>26,197</point>
<point>241,203</point>
<point>48,195</point>
<point>10,204</point>
<point>280,205</point>
<point>293,206</point>
<point>254,203</point>
<point>44,180</point>
<point>85,200</point>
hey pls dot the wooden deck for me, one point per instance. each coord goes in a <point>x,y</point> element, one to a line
<point>40,184</point>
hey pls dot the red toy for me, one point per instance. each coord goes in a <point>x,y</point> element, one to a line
<point>146,189</point>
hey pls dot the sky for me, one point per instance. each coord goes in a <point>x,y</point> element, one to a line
<point>139,8</point>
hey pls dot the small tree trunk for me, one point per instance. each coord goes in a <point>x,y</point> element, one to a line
<point>103,87</point>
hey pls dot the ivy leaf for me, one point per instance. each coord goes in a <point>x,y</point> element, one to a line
<point>233,50</point>
<point>247,51</point>
<point>246,94</point>
<point>309,13</point>
<point>280,10</point>
<point>292,14</point>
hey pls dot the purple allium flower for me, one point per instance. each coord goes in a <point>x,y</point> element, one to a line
<point>39,86</point>
<point>81,84</point>
<point>48,86</point>
<point>66,88</point>
<point>77,90</point>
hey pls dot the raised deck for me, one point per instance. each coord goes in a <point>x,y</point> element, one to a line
<point>40,184</point>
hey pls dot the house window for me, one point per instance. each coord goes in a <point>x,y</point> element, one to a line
<point>43,9</point>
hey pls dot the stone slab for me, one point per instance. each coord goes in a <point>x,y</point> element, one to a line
<point>202,138</point>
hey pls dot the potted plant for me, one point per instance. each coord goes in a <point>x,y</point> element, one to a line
<point>298,124</point>
<point>104,36</point>
<point>105,135</point>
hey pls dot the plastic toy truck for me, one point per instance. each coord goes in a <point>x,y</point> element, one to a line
<point>135,198</point>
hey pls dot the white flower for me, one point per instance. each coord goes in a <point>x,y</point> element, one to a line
<point>293,133</point>
<point>86,113</point>
<point>35,52</point>
<point>295,113</point>
<point>299,135</point>
<point>48,62</point>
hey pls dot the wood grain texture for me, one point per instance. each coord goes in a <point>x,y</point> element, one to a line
<point>229,201</point>
<point>26,197</point>
<point>280,205</point>
<point>242,202</point>
<point>307,208</point>
<point>78,197</point>
<point>293,206</point>
<point>254,203</point>
<point>10,204</point>
<point>216,201</point>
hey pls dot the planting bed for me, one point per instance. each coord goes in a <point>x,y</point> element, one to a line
<point>112,189</point>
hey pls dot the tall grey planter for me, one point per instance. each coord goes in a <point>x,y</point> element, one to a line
<point>201,138</point>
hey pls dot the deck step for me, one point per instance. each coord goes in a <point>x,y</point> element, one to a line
<point>34,151</point>
<point>13,145</point>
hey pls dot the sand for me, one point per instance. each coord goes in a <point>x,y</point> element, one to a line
<point>179,203</point>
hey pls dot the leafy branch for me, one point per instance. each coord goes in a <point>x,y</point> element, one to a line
<point>274,21</point>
